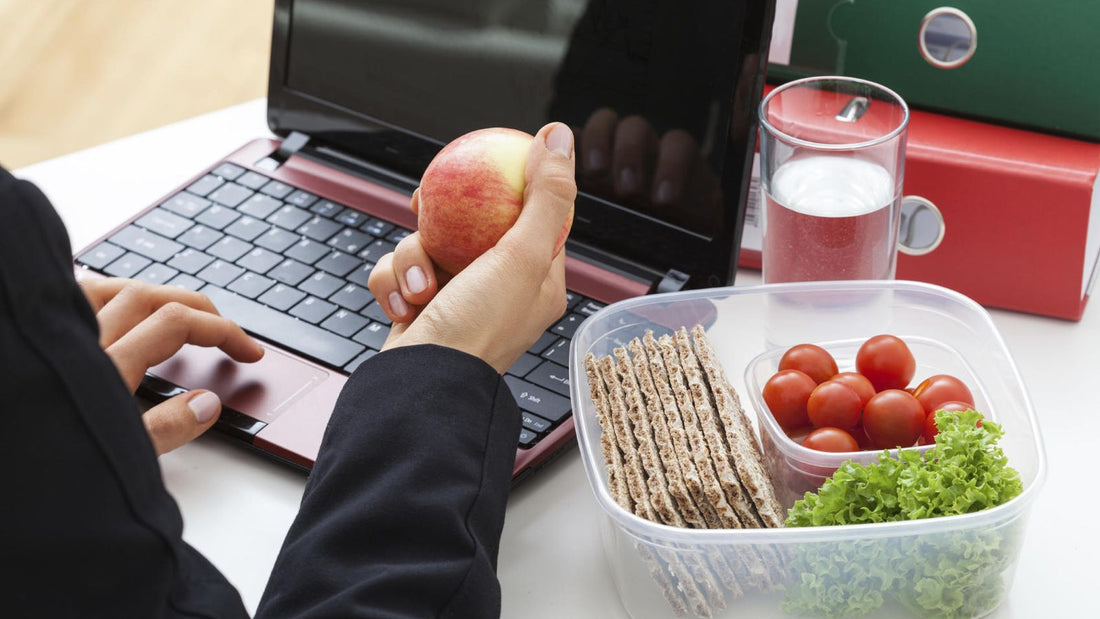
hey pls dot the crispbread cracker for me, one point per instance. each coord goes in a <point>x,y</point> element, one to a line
<point>664,443</point>
<point>632,466</point>
<point>664,581</point>
<point>613,456</point>
<point>748,457</point>
<point>647,451</point>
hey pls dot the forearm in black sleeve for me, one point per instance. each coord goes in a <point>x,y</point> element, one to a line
<point>403,511</point>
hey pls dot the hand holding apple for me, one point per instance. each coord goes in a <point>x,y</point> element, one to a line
<point>472,193</point>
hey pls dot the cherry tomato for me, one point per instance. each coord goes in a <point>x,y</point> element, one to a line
<point>830,439</point>
<point>786,394</point>
<point>859,383</point>
<point>861,437</point>
<point>812,359</point>
<point>936,390</point>
<point>834,404</point>
<point>887,362</point>
<point>930,430</point>
<point>798,434</point>
<point>893,418</point>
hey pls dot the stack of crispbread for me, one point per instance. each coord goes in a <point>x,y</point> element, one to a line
<point>680,451</point>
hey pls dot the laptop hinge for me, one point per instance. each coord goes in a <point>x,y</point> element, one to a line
<point>673,281</point>
<point>289,147</point>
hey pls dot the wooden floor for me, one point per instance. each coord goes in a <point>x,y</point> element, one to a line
<point>75,73</point>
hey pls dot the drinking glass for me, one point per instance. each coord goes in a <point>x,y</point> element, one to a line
<point>832,159</point>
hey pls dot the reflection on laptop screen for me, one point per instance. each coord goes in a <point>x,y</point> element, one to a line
<point>660,95</point>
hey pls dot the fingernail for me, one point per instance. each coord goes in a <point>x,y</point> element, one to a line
<point>397,304</point>
<point>664,192</point>
<point>204,406</point>
<point>560,140</point>
<point>626,180</point>
<point>415,280</point>
<point>596,160</point>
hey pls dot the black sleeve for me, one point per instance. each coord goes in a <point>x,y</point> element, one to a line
<point>403,511</point>
<point>86,525</point>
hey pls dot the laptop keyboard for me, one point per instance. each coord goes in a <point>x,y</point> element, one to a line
<point>292,269</point>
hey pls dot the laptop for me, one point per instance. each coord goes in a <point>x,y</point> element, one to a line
<point>282,233</point>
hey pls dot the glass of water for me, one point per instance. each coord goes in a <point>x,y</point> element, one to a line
<point>832,159</point>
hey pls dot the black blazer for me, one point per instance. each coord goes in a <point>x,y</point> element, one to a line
<point>402,513</point>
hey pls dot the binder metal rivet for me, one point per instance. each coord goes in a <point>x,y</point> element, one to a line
<point>921,228</point>
<point>947,38</point>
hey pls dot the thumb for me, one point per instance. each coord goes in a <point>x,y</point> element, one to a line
<point>550,192</point>
<point>178,420</point>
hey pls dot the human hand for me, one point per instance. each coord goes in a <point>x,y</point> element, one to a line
<point>498,306</point>
<point>141,325</point>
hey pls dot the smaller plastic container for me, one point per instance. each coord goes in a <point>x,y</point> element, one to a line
<point>958,566</point>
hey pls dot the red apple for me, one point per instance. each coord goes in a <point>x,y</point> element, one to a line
<point>471,194</point>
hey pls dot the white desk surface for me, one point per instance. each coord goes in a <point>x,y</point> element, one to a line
<point>237,506</point>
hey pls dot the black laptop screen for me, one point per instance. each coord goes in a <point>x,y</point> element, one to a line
<point>660,94</point>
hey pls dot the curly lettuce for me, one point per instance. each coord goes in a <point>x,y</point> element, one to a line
<point>952,574</point>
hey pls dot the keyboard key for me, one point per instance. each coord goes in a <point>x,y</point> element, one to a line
<point>260,260</point>
<point>199,237</point>
<point>319,229</point>
<point>313,310</point>
<point>148,244</point>
<point>377,249</point>
<point>524,364</point>
<point>567,326</point>
<point>290,272</point>
<point>190,261</point>
<point>101,255</point>
<point>552,376</point>
<point>327,208</point>
<point>398,235</point>
<point>127,266</point>
<point>260,206</point>
<point>230,194</point>
<point>337,263</point>
<point>186,204</point>
<point>289,217</point>
<point>572,299</point>
<point>301,198</point>
<point>375,312</point>
<point>277,189</point>
<point>251,285</point>
<point>352,297</point>
<point>377,227</point>
<point>157,274</point>
<point>590,307</point>
<point>229,249</point>
<point>527,438</point>
<point>373,336</point>
<point>558,353</point>
<point>217,217</point>
<point>282,297</point>
<point>228,171</point>
<point>247,228</point>
<point>297,335</point>
<point>361,274</point>
<point>350,241</point>
<point>307,251</point>
<point>534,423</point>
<point>542,402</point>
<point>544,342</point>
<point>205,185</point>
<point>190,282</point>
<point>352,217</point>
<point>220,273</point>
<point>164,222</point>
<point>277,240</point>
<point>367,354</point>
<point>252,180</point>
<point>345,323</point>
<point>322,284</point>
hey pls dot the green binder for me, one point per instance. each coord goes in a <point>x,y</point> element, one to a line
<point>1035,64</point>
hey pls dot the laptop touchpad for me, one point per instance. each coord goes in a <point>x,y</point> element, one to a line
<point>262,390</point>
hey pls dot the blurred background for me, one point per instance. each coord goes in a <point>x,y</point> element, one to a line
<point>76,73</point>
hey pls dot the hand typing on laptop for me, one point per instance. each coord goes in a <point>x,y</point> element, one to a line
<point>498,306</point>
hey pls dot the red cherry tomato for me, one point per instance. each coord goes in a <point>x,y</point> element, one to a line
<point>861,437</point>
<point>800,433</point>
<point>830,439</point>
<point>893,418</point>
<point>859,383</point>
<point>786,394</point>
<point>936,390</point>
<point>834,404</point>
<point>812,359</point>
<point>887,362</point>
<point>930,430</point>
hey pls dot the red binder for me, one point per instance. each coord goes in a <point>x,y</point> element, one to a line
<point>1021,213</point>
